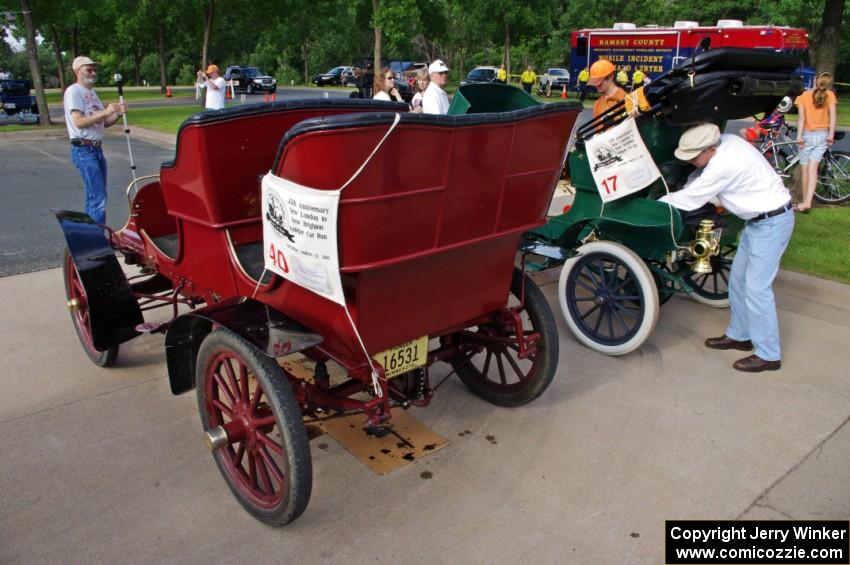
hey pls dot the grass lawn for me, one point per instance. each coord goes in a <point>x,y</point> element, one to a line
<point>821,244</point>
<point>110,94</point>
<point>166,120</point>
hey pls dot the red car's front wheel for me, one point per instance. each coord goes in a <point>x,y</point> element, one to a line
<point>78,306</point>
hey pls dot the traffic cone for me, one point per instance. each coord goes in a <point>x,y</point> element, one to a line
<point>227,94</point>
<point>564,91</point>
<point>273,97</point>
<point>168,92</point>
<point>266,97</point>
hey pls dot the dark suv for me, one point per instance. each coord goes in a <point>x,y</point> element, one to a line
<point>15,98</point>
<point>250,79</point>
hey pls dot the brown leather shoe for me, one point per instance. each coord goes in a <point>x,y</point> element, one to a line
<point>724,342</point>
<point>755,364</point>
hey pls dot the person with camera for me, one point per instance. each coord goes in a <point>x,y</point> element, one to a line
<point>215,85</point>
<point>86,118</point>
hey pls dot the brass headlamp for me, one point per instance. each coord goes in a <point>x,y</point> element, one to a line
<point>705,244</point>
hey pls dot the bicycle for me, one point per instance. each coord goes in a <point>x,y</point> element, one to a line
<point>781,150</point>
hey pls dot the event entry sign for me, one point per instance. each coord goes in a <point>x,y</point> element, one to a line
<point>300,235</point>
<point>620,162</point>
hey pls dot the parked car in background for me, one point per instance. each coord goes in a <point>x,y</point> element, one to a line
<point>480,74</point>
<point>16,102</point>
<point>337,76</point>
<point>249,79</point>
<point>553,80</point>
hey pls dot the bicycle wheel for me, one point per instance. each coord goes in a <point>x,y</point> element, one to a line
<point>833,178</point>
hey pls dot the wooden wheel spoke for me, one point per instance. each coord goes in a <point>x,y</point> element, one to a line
<point>258,394</point>
<point>586,287</point>
<point>620,320</point>
<point>252,470</point>
<point>240,453</point>
<point>222,407</point>
<point>231,377</point>
<point>268,442</point>
<point>265,420</point>
<point>623,283</point>
<point>501,366</point>
<point>589,312</point>
<point>487,360</point>
<point>625,310</point>
<point>610,324</point>
<point>264,480</point>
<point>223,387</point>
<point>243,381</point>
<point>271,466</point>
<point>512,362</point>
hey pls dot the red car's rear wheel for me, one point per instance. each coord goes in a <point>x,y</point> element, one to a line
<point>264,454</point>
<point>78,306</point>
<point>493,368</point>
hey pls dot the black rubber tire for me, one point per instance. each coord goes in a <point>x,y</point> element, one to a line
<point>249,89</point>
<point>833,185</point>
<point>273,90</point>
<point>537,316</point>
<point>73,289</point>
<point>294,464</point>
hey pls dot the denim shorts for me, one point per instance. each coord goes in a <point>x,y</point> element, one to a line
<point>814,146</point>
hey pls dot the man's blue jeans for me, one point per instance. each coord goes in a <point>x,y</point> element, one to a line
<point>754,268</point>
<point>91,163</point>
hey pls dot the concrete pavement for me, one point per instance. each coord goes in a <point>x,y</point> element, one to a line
<point>105,466</point>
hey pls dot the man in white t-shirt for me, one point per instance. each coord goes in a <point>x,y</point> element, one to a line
<point>435,100</point>
<point>741,179</point>
<point>86,118</point>
<point>215,85</point>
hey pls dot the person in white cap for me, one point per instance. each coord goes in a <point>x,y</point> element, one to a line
<point>435,100</point>
<point>734,173</point>
<point>86,118</point>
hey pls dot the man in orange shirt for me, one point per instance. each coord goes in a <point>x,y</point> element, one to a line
<point>602,78</point>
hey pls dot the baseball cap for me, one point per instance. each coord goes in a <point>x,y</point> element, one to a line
<point>212,69</point>
<point>599,70</point>
<point>438,66</point>
<point>81,62</point>
<point>696,140</point>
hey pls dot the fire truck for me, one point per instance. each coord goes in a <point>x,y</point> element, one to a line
<point>655,49</point>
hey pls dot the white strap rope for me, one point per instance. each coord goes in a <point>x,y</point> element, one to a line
<point>376,384</point>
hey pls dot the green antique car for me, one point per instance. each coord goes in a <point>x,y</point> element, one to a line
<point>621,261</point>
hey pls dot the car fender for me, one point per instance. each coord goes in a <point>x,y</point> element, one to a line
<point>269,331</point>
<point>113,309</point>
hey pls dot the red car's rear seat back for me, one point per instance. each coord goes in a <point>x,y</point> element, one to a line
<point>222,155</point>
<point>438,182</point>
<point>429,230</point>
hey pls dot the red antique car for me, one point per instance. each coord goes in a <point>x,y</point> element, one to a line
<point>427,235</point>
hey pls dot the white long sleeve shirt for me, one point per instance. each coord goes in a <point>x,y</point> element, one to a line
<point>739,177</point>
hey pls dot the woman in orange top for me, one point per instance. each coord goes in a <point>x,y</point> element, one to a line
<point>815,132</point>
<point>602,77</point>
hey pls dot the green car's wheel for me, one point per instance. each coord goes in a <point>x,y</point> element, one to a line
<point>608,298</point>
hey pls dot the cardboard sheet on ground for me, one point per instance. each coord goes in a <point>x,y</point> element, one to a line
<point>411,441</point>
